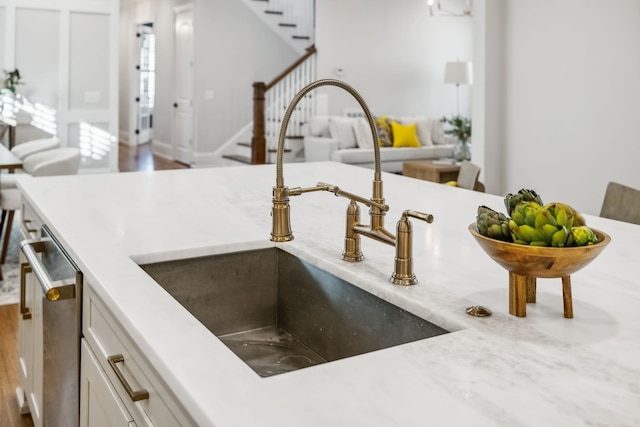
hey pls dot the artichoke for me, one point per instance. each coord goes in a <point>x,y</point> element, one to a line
<point>526,212</point>
<point>565,215</point>
<point>524,195</point>
<point>581,236</point>
<point>493,224</point>
<point>530,223</point>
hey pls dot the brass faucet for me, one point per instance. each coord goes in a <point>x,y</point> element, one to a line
<point>281,231</point>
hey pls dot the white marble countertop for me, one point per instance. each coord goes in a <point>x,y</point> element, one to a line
<point>496,371</point>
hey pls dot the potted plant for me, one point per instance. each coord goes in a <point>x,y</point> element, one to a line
<point>11,80</point>
<point>460,127</point>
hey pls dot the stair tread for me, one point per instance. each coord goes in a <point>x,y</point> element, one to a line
<point>288,25</point>
<point>301,37</point>
<point>273,12</point>
<point>238,158</point>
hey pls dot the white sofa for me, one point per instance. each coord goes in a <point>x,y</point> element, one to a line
<point>348,140</point>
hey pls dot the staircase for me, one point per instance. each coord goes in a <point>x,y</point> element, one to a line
<point>293,20</point>
<point>270,102</point>
<point>257,142</point>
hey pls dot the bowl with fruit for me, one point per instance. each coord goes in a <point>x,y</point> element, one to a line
<point>534,240</point>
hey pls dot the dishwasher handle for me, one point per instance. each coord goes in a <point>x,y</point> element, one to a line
<point>53,290</point>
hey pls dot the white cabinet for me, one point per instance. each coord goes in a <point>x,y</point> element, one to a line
<point>30,354</point>
<point>100,403</point>
<point>128,378</point>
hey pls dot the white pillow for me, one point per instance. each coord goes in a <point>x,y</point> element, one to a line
<point>319,126</point>
<point>362,132</point>
<point>437,131</point>
<point>341,128</point>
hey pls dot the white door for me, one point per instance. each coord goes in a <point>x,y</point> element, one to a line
<point>183,106</point>
<point>146,83</point>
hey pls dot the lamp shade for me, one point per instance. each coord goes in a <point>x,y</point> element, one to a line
<point>458,73</point>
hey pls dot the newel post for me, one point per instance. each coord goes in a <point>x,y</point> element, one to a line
<point>258,141</point>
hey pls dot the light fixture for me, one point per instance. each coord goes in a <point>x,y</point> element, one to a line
<point>458,73</point>
<point>436,9</point>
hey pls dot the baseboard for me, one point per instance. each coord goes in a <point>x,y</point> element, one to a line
<point>161,148</point>
<point>123,136</point>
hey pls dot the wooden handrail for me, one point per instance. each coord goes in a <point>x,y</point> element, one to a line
<point>258,140</point>
<point>310,51</point>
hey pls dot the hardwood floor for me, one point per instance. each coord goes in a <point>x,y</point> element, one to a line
<point>130,159</point>
<point>9,414</point>
<point>141,158</point>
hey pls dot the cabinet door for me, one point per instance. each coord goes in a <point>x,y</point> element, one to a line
<point>129,372</point>
<point>30,345</point>
<point>100,405</point>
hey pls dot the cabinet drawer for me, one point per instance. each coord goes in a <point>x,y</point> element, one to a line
<point>136,382</point>
<point>30,224</point>
<point>100,404</point>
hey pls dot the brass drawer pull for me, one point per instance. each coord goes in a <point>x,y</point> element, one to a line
<point>135,395</point>
<point>26,223</point>
<point>24,270</point>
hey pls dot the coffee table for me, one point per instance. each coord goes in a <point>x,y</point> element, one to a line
<point>430,170</point>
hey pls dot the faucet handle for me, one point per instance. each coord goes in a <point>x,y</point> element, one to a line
<point>403,272</point>
<point>418,215</point>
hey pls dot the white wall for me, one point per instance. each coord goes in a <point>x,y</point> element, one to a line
<point>66,53</point>
<point>233,49</point>
<point>571,100</point>
<point>160,13</point>
<point>393,53</point>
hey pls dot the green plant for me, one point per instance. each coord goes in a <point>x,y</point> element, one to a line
<point>11,80</point>
<point>460,127</point>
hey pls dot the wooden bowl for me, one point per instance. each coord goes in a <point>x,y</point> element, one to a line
<point>540,261</point>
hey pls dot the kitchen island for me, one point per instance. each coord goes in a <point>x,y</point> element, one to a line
<point>500,370</point>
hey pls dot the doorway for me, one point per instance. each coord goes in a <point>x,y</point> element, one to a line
<point>145,82</point>
<point>183,105</point>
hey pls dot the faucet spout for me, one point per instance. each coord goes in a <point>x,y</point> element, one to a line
<point>280,212</point>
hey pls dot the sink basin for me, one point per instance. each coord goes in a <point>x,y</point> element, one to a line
<point>279,313</point>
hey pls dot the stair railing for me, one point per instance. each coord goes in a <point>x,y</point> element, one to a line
<point>270,102</point>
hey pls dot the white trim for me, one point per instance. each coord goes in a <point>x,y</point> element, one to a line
<point>123,137</point>
<point>162,148</point>
<point>10,38</point>
<point>183,8</point>
<point>230,145</point>
<point>64,47</point>
<point>61,5</point>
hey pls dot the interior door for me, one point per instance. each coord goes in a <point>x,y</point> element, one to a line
<point>183,106</point>
<point>145,70</point>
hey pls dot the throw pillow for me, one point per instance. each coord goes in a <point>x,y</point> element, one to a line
<point>385,135</point>
<point>319,126</point>
<point>423,128</point>
<point>437,131</point>
<point>362,131</point>
<point>404,135</point>
<point>341,128</point>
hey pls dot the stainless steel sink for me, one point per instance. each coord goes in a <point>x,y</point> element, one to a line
<point>279,313</point>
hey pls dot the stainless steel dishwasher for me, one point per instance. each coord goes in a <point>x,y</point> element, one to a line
<point>61,282</point>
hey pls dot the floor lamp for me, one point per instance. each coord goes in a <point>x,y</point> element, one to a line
<point>458,73</point>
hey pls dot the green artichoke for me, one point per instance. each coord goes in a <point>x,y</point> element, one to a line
<point>581,236</point>
<point>565,215</point>
<point>493,224</point>
<point>524,195</point>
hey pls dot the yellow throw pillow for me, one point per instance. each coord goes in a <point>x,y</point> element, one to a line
<point>385,137</point>
<point>404,135</point>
